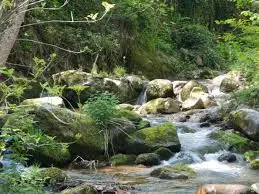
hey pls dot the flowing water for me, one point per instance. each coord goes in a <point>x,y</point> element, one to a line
<point>198,150</point>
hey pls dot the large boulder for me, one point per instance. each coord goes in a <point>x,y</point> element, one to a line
<point>67,126</point>
<point>229,157</point>
<point>148,159</point>
<point>233,141</point>
<point>224,189</point>
<point>127,88</point>
<point>160,106</point>
<point>150,139</point>
<point>229,82</point>
<point>198,99</point>
<point>177,171</point>
<point>187,89</point>
<point>159,88</point>
<point>246,121</point>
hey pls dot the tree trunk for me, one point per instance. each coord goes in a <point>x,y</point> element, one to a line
<point>10,23</point>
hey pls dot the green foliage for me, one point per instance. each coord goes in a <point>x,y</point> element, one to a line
<point>14,181</point>
<point>233,140</point>
<point>197,45</point>
<point>122,159</point>
<point>101,107</point>
<point>119,71</point>
<point>248,96</point>
<point>27,139</point>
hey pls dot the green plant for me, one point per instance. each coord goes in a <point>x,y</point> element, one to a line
<point>119,71</point>
<point>102,108</point>
<point>14,181</point>
<point>27,139</point>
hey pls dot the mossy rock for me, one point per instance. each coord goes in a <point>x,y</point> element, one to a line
<point>81,189</point>
<point>143,124</point>
<point>130,115</point>
<point>164,153</point>
<point>70,77</point>
<point>160,106</point>
<point>150,139</point>
<point>148,159</point>
<point>160,88</point>
<point>246,121</point>
<point>187,89</point>
<point>253,158</point>
<point>122,159</point>
<point>53,175</point>
<point>251,155</point>
<point>254,164</point>
<point>68,126</point>
<point>234,141</point>
<point>177,171</point>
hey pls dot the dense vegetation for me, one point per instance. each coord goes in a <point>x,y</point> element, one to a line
<point>173,39</point>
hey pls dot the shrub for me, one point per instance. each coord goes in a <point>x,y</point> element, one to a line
<point>197,45</point>
<point>119,71</point>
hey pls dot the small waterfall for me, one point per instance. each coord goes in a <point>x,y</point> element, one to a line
<point>142,99</point>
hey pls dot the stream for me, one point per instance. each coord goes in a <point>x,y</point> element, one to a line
<point>198,150</point>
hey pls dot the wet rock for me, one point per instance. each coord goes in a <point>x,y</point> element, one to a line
<point>159,88</point>
<point>122,159</point>
<point>177,171</point>
<point>246,121</point>
<point>224,189</point>
<point>229,157</point>
<point>255,188</point>
<point>205,124</point>
<point>233,141</point>
<point>150,139</point>
<point>160,105</point>
<point>1,165</point>
<point>148,159</point>
<point>187,89</point>
<point>164,153</point>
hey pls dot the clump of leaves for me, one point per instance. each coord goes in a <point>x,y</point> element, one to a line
<point>26,139</point>
<point>14,181</point>
<point>101,107</point>
<point>119,71</point>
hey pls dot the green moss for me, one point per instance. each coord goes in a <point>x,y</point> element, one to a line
<point>130,115</point>
<point>148,159</point>
<point>82,189</point>
<point>177,171</point>
<point>234,140</point>
<point>186,91</point>
<point>158,135</point>
<point>122,159</point>
<point>255,164</point>
<point>251,155</point>
<point>164,153</point>
<point>53,175</point>
<point>143,124</point>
